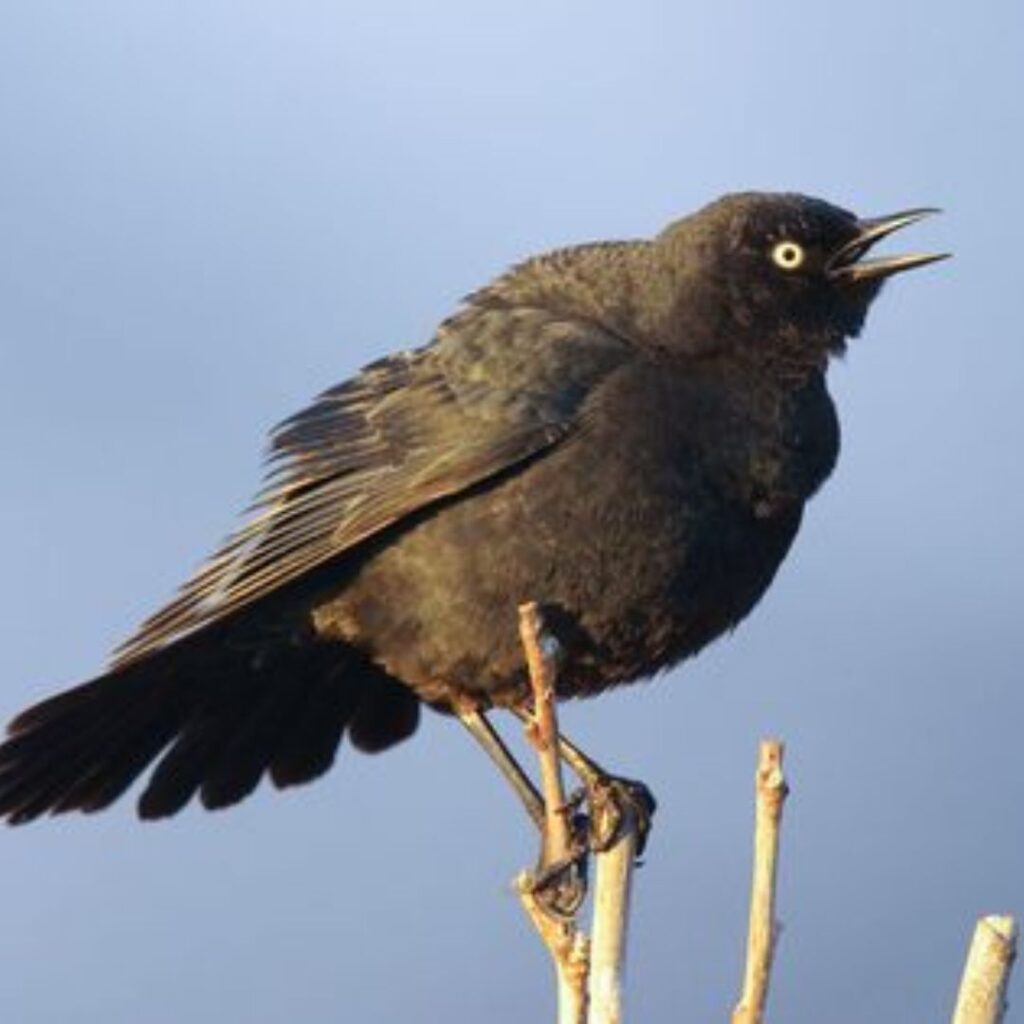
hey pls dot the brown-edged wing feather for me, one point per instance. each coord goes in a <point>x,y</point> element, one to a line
<point>496,388</point>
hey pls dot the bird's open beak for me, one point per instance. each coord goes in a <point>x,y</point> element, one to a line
<point>846,264</point>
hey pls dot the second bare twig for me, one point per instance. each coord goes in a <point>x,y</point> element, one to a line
<point>763,928</point>
<point>612,892</point>
<point>982,995</point>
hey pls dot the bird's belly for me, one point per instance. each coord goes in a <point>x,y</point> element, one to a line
<point>635,571</point>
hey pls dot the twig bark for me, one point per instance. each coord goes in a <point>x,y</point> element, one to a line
<point>568,946</point>
<point>569,949</point>
<point>763,930</point>
<point>612,891</point>
<point>982,995</point>
<point>542,732</point>
<point>589,971</point>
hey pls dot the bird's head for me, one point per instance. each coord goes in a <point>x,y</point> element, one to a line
<point>780,269</point>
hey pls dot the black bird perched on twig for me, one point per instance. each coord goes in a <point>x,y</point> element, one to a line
<point>626,432</point>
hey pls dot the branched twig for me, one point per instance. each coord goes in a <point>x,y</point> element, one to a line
<point>982,995</point>
<point>763,929</point>
<point>567,945</point>
<point>569,949</point>
<point>589,971</point>
<point>542,732</point>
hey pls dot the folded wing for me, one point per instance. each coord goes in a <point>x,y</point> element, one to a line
<point>497,388</point>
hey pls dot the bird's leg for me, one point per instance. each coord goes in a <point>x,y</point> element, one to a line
<point>483,732</point>
<point>562,884</point>
<point>561,876</point>
<point>606,795</point>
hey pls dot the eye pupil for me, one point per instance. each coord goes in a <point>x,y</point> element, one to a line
<point>788,255</point>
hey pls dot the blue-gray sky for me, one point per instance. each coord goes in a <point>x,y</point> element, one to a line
<point>210,211</point>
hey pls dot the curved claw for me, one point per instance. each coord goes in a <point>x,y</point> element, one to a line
<point>561,888</point>
<point>609,798</point>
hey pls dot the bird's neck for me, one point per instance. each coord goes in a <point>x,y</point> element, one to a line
<point>617,285</point>
<point>668,307</point>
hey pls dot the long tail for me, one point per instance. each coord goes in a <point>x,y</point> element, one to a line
<point>219,719</point>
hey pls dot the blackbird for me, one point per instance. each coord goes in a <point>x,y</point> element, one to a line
<point>625,432</point>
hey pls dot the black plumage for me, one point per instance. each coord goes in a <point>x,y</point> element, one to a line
<point>625,432</point>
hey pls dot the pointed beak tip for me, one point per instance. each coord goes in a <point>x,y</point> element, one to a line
<point>849,265</point>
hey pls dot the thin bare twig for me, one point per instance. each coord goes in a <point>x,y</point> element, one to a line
<point>763,928</point>
<point>542,732</point>
<point>982,995</point>
<point>612,891</point>
<point>569,949</point>
<point>568,946</point>
<point>589,971</point>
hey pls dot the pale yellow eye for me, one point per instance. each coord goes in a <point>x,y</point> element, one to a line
<point>788,255</point>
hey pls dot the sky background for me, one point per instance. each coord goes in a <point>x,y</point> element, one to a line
<point>211,211</point>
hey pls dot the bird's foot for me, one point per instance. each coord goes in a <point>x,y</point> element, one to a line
<point>561,886</point>
<point>609,800</point>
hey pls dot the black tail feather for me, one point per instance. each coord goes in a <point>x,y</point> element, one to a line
<point>61,745</point>
<point>179,774</point>
<point>273,715</point>
<point>113,775</point>
<point>220,719</point>
<point>310,746</point>
<point>388,714</point>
